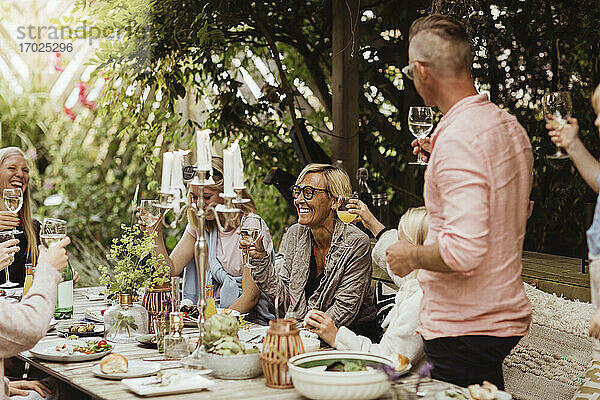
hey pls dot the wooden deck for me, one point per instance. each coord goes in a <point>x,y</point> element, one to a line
<point>556,274</point>
<point>548,272</point>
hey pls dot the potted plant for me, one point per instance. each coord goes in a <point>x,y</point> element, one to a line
<point>134,268</point>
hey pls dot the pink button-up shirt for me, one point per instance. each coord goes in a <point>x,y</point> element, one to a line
<point>477,188</point>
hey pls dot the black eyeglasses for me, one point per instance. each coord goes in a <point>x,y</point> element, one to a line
<point>307,191</point>
<point>188,173</point>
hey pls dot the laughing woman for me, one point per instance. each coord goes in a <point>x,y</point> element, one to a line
<point>319,272</point>
<point>14,174</point>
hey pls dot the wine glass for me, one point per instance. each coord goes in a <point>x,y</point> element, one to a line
<point>250,230</point>
<point>13,201</point>
<point>150,212</point>
<point>343,213</point>
<point>420,123</point>
<point>53,231</point>
<point>557,108</point>
<point>4,236</point>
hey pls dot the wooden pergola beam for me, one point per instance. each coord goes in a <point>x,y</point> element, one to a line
<point>345,84</point>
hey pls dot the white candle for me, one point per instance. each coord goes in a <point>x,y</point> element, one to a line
<point>167,168</point>
<point>238,167</point>
<point>203,150</point>
<point>177,171</point>
<point>228,173</point>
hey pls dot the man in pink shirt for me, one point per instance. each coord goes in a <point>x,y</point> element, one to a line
<point>477,185</point>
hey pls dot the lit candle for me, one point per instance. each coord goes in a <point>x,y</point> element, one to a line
<point>238,167</point>
<point>228,173</point>
<point>204,154</point>
<point>167,168</point>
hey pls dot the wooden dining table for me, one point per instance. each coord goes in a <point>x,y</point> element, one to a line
<point>78,376</point>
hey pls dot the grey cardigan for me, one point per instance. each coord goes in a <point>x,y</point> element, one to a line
<point>344,293</point>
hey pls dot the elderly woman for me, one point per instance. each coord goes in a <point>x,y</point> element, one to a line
<point>14,174</point>
<point>22,325</point>
<point>234,286</point>
<point>319,272</point>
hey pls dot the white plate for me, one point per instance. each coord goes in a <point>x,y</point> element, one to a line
<point>47,351</point>
<point>95,313</point>
<point>253,335</point>
<point>443,395</point>
<point>189,382</point>
<point>137,369</point>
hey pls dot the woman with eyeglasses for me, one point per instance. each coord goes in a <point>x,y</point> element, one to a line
<point>233,284</point>
<point>319,272</point>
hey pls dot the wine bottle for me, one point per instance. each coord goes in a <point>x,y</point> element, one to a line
<point>64,296</point>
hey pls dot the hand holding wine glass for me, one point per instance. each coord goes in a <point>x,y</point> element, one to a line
<point>5,237</point>
<point>344,206</point>
<point>557,107</point>
<point>564,136</point>
<point>8,220</point>
<point>55,255</point>
<point>8,248</point>
<point>420,123</point>
<point>250,231</point>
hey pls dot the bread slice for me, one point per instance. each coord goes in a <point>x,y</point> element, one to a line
<point>487,391</point>
<point>114,363</point>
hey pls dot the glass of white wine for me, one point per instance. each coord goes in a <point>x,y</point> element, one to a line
<point>150,212</point>
<point>13,201</point>
<point>343,213</point>
<point>250,230</point>
<point>53,231</point>
<point>557,108</point>
<point>420,123</point>
<point>4,236</point>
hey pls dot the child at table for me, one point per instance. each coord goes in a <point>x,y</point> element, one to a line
<point>589,168</point>
<point>400,324</point>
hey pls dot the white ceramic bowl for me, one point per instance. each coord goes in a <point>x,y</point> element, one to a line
<point>243,366</point>
<point>317,384</point>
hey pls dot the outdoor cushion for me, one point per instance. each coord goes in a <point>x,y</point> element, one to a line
<point>551,360</point>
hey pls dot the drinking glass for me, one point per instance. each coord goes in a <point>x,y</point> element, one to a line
<point>343,213</point>
<point>557,108</point>
<point>420,123</point>
<point>250,230</point>
<point>13,200</point>
<point>53,231</point>
<point>4,236</point>
<point>150,212</point>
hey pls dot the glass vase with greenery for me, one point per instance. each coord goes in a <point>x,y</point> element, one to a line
<point>134,268</point>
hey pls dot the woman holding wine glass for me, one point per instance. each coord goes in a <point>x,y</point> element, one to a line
<point>321,270</point>
<point>233,283</point>
<point>565,136</point>
<point>15,213</point>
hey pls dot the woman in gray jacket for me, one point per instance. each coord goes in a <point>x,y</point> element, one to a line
<point>318,271</point>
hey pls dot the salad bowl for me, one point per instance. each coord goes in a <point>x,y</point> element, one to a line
<point>312,380</point>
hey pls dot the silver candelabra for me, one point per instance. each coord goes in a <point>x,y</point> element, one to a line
<point>201,179</point>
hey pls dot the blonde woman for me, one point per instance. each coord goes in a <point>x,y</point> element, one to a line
<point>234,287</point>
<point>14,174</point>
<point>401,322</point>
<point>318,272</point>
